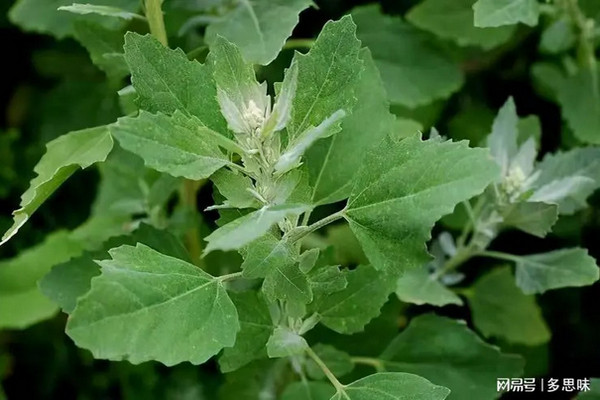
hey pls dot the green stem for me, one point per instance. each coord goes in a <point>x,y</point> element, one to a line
<point>229,277</point>
<point>299,44</point>
<point>156,22</point>
<point>334,381</point>
<point>373,362</point>
<point>498,255</point>
<point>462,255</point>
<point>301,231</point>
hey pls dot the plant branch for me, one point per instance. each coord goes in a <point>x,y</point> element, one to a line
<point>229,277</point>
<point>373,362</point>
<point>498,255</point>
<point>301,231</point>
<point>334,381</point>
<point>156,21</point>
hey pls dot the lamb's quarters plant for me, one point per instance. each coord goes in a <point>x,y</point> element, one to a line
<point>323,201</point>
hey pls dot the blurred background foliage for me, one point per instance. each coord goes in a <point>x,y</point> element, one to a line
<point>453,77</point>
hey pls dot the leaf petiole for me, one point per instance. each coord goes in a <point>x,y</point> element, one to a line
<point>334,381</point>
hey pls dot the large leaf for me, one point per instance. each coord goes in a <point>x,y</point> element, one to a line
<point>165,81</point>
<point>63,157</point>
<point>493,13</point>
<point>258,27</point>
<point>535,218</point>
<point>332,162</point>
<point>453,19</point>
<point>350,309</point>
<point>148,306</point>
<point>177,145</point>
<point>21,302</point>
<point>43,15</point>
<point>397,178</point>
<point>427,74</point>
<point>537,273</point>
<point>501,310</point>
<point>327,76</point>
<point>68,281</point>
<point>255,329</point>
<point>447,353</point>
<point>244,230</point>
<point>392,386</point>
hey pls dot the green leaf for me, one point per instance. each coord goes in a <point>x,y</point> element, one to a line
<point>392,386</point>
<point>396,179</point>
<point>502,141</point>
<point>537,273</point>
<point>453,19</point>
<point>558,37</point>
<point>307,390</point>
<point>412,81</point>
<point>493,13</point>
<point>338,362</point>
<point>235,188</point>
<point>43,16</point>
<point>21,302</point>
<point>177,145</point>
<point>417,286</point>
<point>349,310</point>
<point>286,282</point>
<point>447,353</point>
<point>63,157</point>
<point>558,169</point>
<point>285,343</point>
<point>166,81</point>
<point>535,218</point>
<point>327,77</point>
<point>103,10</point>
<point>68,281</point>
<point>105,47</point>
<point>501,310</point>
<point>258,27</point>
<point>244,230</point>
<point>579,97</point>
<point>255,330</point>
<point>139,307</point>
<point>332,161</point>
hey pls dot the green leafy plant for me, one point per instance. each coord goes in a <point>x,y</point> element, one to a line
<point>323,200</point>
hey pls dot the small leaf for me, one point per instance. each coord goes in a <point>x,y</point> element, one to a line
<point>448,353</point>
<point>327,76</point>
<point>139,309</point>
<point>258,27</point>
<point>493,13</point>
<point>63,157</point>
<point>395,180</point>
<point>285,343</point>
<point>177,145</point>
<point>244,230</point>
<point>537,273</point>
<point>501,310</point>
<point>502,141</point>
<point>349,310</point>
<point>413,81</point>
<point>419,287</point>
<point>534,218</point>
<point>392,386</point>
<point>234,187</point>
<point>338,362</point>
<point>105,11</point>
<point>558,37</point>
<point>453,19</point>
<point>557,169</point>
<point>255,330</point>
<point>166,81</point>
